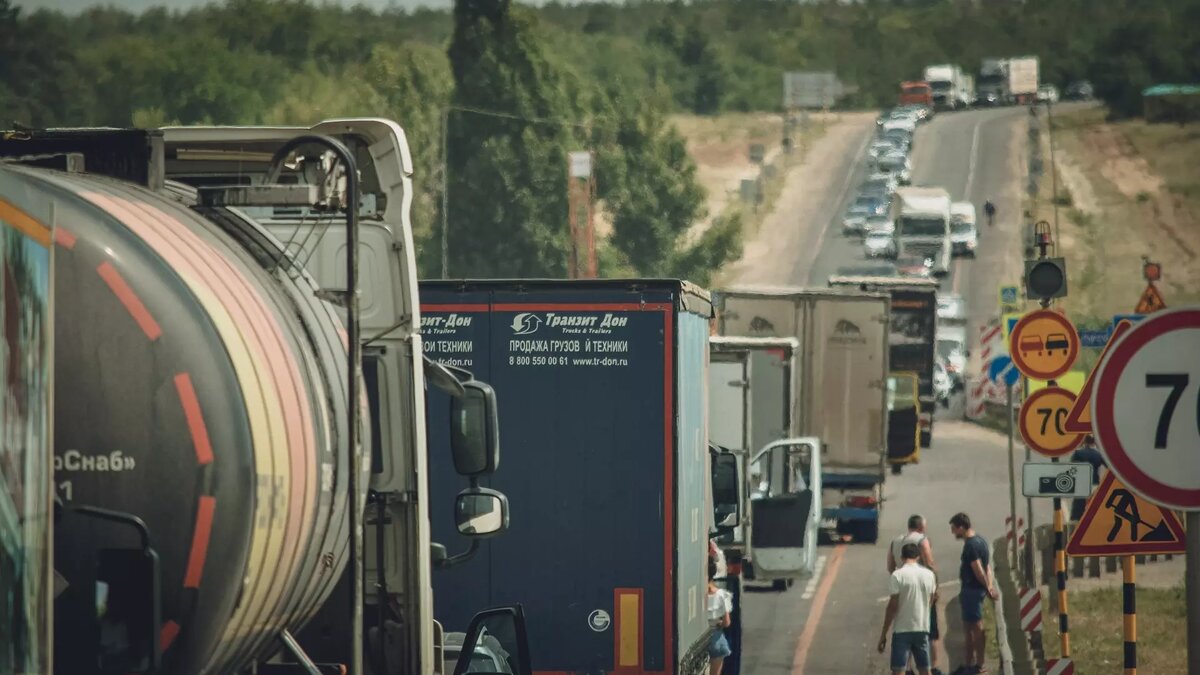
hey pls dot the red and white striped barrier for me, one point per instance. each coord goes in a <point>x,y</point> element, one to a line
<point>1060,667</point>
<point>1008,532</point>
<point>982,390</point>
<point>1031,609</point>
<point>991,341</point>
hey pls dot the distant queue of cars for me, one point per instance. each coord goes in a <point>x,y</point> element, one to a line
<point>870,216</point>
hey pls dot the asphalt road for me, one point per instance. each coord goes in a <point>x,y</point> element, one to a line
<point>831,624</point>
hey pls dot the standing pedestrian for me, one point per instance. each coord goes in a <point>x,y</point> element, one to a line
<point>911,588</point>
<point>975,573</point>
<point>916,535</point>
<point>720,604</point>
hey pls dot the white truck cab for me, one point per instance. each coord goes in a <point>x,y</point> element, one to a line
<point>398,581</point>
<point>922,220</point>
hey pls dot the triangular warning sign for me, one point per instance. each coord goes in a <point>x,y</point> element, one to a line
<point>1079,420</point>
<point>1151,300</point>
<point>1118,522</point>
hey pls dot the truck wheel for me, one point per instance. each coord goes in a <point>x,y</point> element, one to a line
<point>868,531</point>
<point>926,439</point>
<point>780,585</point>
<point>897,469</point>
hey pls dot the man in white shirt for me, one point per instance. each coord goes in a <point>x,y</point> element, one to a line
<point>916,535</point>
<point>911,587</point>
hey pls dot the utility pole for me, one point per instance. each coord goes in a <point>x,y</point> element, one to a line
<point>1053,165</point>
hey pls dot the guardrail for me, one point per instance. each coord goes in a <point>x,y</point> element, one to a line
<point>1079,568</point>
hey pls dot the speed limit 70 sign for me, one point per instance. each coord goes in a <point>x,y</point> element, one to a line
<point>1146,408</point>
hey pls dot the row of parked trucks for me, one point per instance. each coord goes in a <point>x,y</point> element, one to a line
<point>241,437</point>
<point>1001,81</point>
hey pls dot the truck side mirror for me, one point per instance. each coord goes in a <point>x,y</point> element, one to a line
<point>475,430</point>
<point>727,507</point>
<point>496,643</point>
<point>480,512</point>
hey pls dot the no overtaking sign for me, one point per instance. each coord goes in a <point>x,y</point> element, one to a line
<point>1146,408</point>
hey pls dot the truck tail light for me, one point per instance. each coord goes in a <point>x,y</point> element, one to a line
<point>861,502</point>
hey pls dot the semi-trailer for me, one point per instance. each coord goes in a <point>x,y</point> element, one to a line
<point>192,431</point>
<point>838,387</point>
<point>602,388</point>
<point>911,334</point>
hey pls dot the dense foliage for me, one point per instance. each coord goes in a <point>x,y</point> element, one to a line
<point>519,87</point>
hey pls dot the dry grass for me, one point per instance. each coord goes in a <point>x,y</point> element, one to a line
<point>1125,190</point>
<point>1097,644</point>
<point>720,146</point>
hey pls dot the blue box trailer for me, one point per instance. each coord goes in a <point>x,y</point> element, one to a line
<point>601,387</point>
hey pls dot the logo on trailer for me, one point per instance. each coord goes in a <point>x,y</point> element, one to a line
<point>526,323</point>
<point>761,325</point>
<point>599,620</point>
<point>846,332</point>
<point>444,323</point>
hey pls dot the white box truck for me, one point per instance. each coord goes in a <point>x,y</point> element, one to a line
<point>922,220</point>
<point>839,386</point>
<point>944,79</point>
<point>1023,79</point>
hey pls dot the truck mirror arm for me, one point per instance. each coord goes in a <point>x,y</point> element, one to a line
<point>457,559</point>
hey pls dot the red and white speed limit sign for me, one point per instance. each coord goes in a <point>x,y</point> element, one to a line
<point>1146,408</point>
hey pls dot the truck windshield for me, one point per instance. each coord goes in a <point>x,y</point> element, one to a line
<point>940,86</point>
<point>921,227</point>
<point>961,227</point>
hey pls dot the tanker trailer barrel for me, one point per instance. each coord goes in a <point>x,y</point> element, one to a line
<point>202,390</point>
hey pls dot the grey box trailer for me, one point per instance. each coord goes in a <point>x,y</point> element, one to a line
<point>839,385</point>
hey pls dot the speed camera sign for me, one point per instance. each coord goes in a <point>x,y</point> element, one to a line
<point>1146,408</point>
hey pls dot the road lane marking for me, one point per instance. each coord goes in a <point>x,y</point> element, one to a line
<point>811,587</point>
<point>814,613</point>
<point>855,165</point>
<point>971,161</point>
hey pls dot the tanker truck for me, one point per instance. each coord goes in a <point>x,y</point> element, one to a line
<point>205,410</point>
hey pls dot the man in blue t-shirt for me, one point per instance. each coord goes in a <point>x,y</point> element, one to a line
<point>975,573</point>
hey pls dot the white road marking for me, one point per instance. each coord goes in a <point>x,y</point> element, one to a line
<point>811,588</point>
<point>971,161</point>
<point>846,185</point>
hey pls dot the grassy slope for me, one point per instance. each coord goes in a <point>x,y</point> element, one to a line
<point>1140,188</point>
<point>1096,621</point>
<point>1126,190</point>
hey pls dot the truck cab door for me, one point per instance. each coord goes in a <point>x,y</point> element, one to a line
<point>785,482</point>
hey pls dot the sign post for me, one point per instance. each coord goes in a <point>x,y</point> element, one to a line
<point>1151,447</point>
<point>1012,479</point>
<point>1043,345</point>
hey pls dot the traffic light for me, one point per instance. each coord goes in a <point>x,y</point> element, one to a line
<point>1045,278</point>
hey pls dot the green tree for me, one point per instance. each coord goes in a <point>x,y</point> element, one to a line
<point>507,177</point>
<point>416,85</point>
<point>648,185</point>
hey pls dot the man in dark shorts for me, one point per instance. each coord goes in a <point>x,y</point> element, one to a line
<point>975,573</point>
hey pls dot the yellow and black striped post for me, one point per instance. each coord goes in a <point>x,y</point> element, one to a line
<point>1060,572</point>
<point>1129,593</point>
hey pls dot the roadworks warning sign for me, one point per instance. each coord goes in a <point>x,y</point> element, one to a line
<point>1118,522</point>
